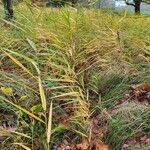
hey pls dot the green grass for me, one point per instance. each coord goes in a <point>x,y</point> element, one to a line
<point>127,122</point>
<point>83,61</point>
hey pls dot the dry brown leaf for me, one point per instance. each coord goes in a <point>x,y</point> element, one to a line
<point>84,145</point>
<point>141,92</point>
<point>100,146</point>
<point>138,141</point>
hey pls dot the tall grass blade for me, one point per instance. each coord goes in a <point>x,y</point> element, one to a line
<point>22,109</point>
<point>42,94</point>
<point>23,146</point>
<point>49,127</point>
<point>41,90</point>
<point>21,134</point>
<point>12,24</point>
<point>32,44</point>
<point>19,64</point>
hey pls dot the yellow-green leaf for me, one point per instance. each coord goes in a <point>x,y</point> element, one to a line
<point>36,108</point>
<point>7,90</point>
<point>22,98</point>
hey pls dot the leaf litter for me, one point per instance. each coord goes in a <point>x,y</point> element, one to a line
<point>92,142</point>
<point>98,129</point>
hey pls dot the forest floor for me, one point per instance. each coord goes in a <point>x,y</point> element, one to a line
<point>74,80</point>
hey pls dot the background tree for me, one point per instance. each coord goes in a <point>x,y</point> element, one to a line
<point>137,4</point>
<point>62,2</point>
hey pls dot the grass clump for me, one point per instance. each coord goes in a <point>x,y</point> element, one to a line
<point>128,121</point>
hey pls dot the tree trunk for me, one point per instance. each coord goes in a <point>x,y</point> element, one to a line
<point>137,7</point>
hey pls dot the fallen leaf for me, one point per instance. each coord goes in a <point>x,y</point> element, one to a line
<point>101,146</point>
<point>84,145</point>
